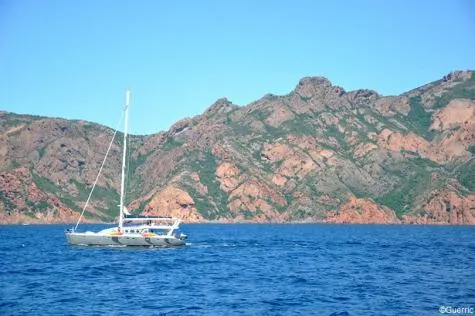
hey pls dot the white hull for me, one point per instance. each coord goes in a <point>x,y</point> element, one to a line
<point>98,239</point>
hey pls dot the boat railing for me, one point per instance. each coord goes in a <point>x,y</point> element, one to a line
<point>146,217</point>
<point>152,219</point>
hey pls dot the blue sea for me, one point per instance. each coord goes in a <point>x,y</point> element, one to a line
<point>242,269</point>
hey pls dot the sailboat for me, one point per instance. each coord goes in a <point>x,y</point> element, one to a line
<point>132,230</point>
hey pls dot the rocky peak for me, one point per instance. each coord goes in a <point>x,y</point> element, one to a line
<point>270,97</point>
<point>314,82</point>
<point>437,88</point>
<point>310,87</point>
<point>363,96</point>
<point>221,106</point>
<point>180,126</point>
<point>458,75</point>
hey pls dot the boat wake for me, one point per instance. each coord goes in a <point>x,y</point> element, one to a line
<point>208,245</point>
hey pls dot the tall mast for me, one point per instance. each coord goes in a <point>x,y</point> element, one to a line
<point>122,183</point>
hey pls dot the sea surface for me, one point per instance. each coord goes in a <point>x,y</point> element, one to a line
<point>242,269</point>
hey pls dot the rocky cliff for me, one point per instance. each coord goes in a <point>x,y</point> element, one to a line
<point>319,153</point>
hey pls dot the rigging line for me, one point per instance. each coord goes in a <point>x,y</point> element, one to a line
<point>127,175</point>
<point>98,175</point>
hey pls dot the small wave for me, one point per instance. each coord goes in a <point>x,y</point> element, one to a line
<point>201,246</point>
<point>299,280</point>
<point>193,308</point>
<point>9,304</point>
<point>67,300</point>
<point>221,245</point>
<point>276,302</point>
<point>341,298</point>
<point>353,242</point>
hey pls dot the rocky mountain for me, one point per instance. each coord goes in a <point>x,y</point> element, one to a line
<point>319,153</point>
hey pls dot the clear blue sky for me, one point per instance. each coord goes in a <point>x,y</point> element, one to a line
<point>74,59</point>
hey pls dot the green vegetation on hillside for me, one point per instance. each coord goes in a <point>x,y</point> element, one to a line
<point>332,131</point>
<point>7,203</point>
<point>300,125</point>
<point>172,143</point>
<point>40,206</point>
<point>418,119</point>
<point>413,182</point>
<point>361,118</point>
<point>467,175</point>
<point>206,168</point>
<point>41,152</point>
<point>463,90</point>
<point>109,195</point>
<point>14,164</point>
<point>134,183</point>
<point>44,184</point>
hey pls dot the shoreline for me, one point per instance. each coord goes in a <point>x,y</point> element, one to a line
<point>248,223</point>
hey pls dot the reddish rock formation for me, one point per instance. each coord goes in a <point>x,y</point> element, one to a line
<point>445,207</point>
<point>255,197</point>
<point>410,142</point>
<point>278,116</point>
<point>294,157</point>
<point>227,174</point>
<point>173,202</point>
<point>362,211</point>
<point>18,192</point>
<point>457,113</point>
<point>390,106</point>
<point>363,149</point>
